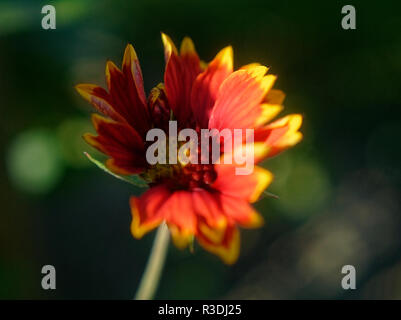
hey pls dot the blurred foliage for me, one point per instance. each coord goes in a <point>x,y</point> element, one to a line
<point>338,190</point>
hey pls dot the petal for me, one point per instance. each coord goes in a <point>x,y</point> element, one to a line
<point>117,132</point>
<point>246,187</point>
<point>275,96</point>
<point>181,71</point>
<point>227,248</point>
<point>238,104</point>
<point>124,166</point>
<point>119,141</point>
<point>169,47</point>
<point>180,217</point>
<point>250,66</point>
<point>132,71</point>
<point>273,100</point>
<point>187,47</point>
<point>146,210</point>
<point>271,107</point>
<point>280,134</point>
<point>159,107</point>
<point>181,238</point>
<point>212,234</point>
<point>99,98</point>
<point>269,112</point>
<point>127,98</point>
<point>207,84</point>
<point>244,154</point>
<point>179,211</point>
<point>159,204</point>
<point>207,206</point>
<point>239,211</point>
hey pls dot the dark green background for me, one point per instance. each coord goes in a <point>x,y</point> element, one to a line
<point>339,189</point>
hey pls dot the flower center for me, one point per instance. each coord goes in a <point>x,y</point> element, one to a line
<point>181,175</point>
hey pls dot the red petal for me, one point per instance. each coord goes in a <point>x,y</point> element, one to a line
<point>120,141</point>
<point>127,98</point>
<point>159,107</point>
<point>181,71</point>
<point>133,73</point>
<point>99,98</point>
<point>207,84</point>
<point>125,166</point>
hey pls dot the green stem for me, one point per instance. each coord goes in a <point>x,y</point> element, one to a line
<point>151,276</point>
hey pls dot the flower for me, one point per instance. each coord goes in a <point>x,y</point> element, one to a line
<point>203,201</point>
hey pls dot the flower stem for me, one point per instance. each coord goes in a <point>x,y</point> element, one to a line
<point>151,276</point>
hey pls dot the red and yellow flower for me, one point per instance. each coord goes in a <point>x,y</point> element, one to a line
<point>206,202</point>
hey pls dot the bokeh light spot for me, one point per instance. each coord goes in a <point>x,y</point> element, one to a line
<point>305,191</point>
<point>33,161</point>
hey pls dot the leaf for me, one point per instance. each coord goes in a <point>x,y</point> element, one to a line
<point>134,179</point>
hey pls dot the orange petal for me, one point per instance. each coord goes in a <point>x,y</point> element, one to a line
<point>147,211</point>
<point>206,205</point>
<point>158,204</point>
<point>238,104</point>
<point>227,249</point>
<point>179,211</point>
<point>246,187</point>
<point>207,84</point>
<point>239,211</point>
<point>244,154</point>
<point>271,107</point>
<point>280,134</point>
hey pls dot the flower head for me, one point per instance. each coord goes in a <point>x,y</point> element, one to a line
<point>203,201</point>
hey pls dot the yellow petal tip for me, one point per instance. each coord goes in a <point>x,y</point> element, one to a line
<point>169,46</point>
<point>187,46</point>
